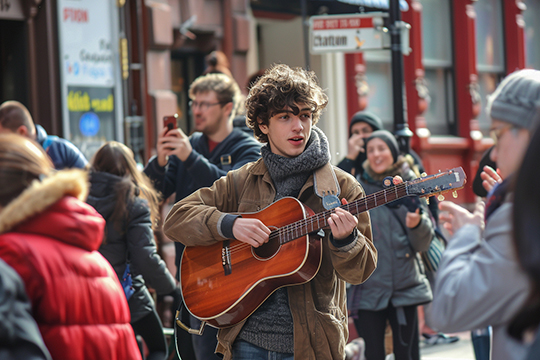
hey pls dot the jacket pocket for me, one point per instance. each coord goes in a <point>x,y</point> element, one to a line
<point>404,253</point>
<point>330,333</point>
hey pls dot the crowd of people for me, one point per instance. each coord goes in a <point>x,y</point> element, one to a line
<point>79,264</point>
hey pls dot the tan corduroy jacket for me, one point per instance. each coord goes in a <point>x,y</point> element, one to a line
<point>318,307</point>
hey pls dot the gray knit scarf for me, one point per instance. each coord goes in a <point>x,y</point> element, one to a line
<point>271,325</point>
<point>290,174</point>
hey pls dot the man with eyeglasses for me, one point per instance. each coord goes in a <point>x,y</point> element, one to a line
<point>479,282</point>
<point>184,164</point>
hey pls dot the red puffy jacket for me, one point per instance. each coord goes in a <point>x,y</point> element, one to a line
<point>77,300</point>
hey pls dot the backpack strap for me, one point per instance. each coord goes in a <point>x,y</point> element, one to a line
<point>326,186</point>
<point>48,141</point>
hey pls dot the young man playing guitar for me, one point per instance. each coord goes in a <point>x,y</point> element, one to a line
<point>307,317</point>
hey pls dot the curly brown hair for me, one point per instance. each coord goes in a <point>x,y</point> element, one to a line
<point>280,87</point>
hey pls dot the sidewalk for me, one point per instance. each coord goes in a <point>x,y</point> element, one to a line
<point>461,350</point>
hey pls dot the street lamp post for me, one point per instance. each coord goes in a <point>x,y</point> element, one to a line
<point>305,31</point>
<point>401,128</point>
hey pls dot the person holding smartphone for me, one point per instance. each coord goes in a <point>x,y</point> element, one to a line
<point>184,163</point>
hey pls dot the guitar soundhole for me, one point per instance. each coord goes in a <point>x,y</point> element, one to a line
<point>268,250</point>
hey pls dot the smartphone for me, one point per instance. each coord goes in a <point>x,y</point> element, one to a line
<point>170,122</point>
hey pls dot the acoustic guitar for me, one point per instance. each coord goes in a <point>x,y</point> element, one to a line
<point>222,284</point>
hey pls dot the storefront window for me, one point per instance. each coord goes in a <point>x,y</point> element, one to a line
<point>438,65</point>
<point>489,52</point>
<point>532,34</point>
<point>440,117</point>
<point>379,79</point>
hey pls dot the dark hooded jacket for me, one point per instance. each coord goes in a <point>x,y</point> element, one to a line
<point>132,239</point>
<point>19,334</point>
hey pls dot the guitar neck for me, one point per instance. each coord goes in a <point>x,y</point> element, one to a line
<point>318,221</point>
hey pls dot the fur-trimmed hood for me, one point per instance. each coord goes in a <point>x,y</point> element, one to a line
<point>54,207</point>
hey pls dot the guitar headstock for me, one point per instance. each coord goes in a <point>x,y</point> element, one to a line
<point>441,182</point>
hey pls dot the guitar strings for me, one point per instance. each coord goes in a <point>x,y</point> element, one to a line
<point>299,225</point>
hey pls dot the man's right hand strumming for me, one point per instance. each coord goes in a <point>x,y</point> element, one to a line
<point>250,231</point>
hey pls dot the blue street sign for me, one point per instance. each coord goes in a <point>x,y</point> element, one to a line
<point>89,124</point>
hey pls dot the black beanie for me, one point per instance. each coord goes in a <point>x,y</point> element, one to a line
<point>369,118</point>
<point>389,139</point>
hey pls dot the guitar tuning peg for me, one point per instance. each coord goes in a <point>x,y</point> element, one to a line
<point>440,197</point>
<point>423,174</point>
<point>454,194</point>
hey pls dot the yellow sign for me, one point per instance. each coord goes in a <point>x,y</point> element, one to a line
<point>79,101</point>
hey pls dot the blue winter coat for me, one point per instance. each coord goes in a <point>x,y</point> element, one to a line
<point>62,153</point>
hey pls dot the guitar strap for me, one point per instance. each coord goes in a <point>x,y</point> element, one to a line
<point>326,186</point>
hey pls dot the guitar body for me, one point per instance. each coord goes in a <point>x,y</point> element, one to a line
<point>221,299</point>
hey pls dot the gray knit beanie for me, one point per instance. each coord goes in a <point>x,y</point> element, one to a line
<point>369,118</point>
<point>517,99</point>
<point>389,139</point>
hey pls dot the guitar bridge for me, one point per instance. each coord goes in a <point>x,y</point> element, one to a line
<point>226,258</point>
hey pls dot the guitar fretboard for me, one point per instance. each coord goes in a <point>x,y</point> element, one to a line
<point>318,221</point>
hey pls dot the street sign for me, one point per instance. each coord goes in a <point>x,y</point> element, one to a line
<point>348,33</point>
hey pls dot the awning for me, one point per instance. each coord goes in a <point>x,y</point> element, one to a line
<point>319,7</point>
<point>379,4</point>
<point>314,7</point>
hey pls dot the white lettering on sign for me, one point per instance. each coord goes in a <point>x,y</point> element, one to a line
<point>75,15</point>
<point>344,23</point>
<point>348,33</point>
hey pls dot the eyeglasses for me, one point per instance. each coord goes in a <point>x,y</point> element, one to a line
<point>497,133</point>
<point>203,105</point>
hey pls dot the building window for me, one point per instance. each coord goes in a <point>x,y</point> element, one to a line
<point>489,52</point>
<point>379,79</point>
<point>532,34</point>
<point>438,66</point>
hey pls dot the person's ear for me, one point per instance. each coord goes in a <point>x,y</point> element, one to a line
<point>228,107</point>
<point>23,130</point>
<point>262,127</point>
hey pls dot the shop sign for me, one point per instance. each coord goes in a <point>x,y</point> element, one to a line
<point>11,10</point>
<point>348,33</point>
<point>90,72</point>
